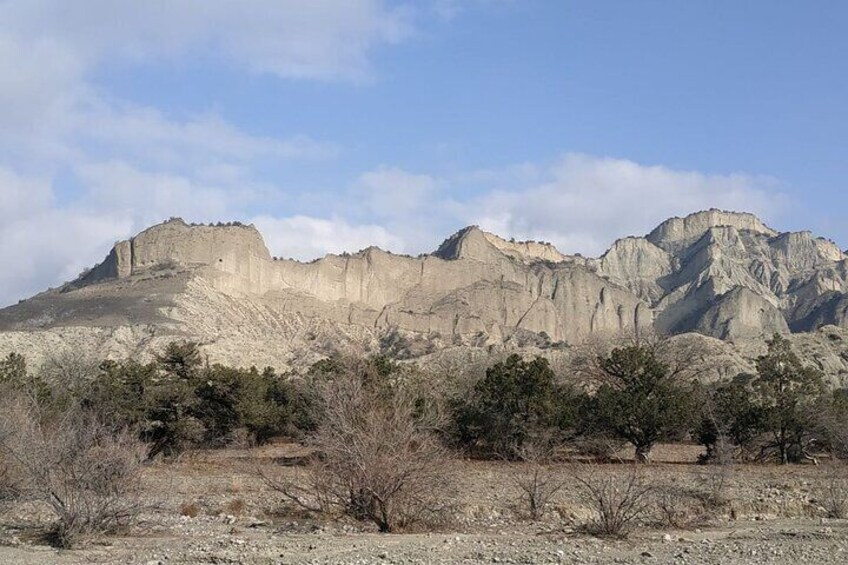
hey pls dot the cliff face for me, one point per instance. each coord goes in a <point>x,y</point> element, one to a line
<point>235,249</point>
<point>730,276</point>
<point>721,274</point>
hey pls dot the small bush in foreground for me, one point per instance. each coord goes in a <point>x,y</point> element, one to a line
<point>537,481</point>
<point>835,497</point>
<point>87,473</point>
<point>617,501</point>
<point>378,458</point>
<point>189,509</point>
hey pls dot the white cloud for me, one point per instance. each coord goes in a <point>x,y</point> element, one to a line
<point>52,113</point>
<point>18,195</point>
<point>133,165</point>
<point>45,241</point>
<point>390,191</point>
<point>42,244</point>
<point>306,238</point>
<point>289,38</point>
<point>586,202</point>
<point>144,133</point>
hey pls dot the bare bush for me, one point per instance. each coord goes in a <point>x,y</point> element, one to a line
<point>190,509</point>
<point>536,480</point>
<point>378,458</point>
<point>712,483</point>
<point>85,472</point>
<point>834,497</point>
<point>618,501</point>
<point>305,488</point>
<point>674,507</point>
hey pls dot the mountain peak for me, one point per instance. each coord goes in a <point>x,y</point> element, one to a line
<point>472,242</point>
<point>677,233</point>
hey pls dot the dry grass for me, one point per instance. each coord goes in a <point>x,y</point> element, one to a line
<point>190,509</point>
<point>235,507</point>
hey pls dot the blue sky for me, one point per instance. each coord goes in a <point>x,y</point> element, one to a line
<point>335,124</point>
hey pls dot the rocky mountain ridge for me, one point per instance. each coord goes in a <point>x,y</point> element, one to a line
<point>724,275</point>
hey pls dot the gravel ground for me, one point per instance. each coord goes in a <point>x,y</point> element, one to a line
<point>772,515</point>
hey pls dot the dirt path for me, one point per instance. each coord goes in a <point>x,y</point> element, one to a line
<point>788,542</point>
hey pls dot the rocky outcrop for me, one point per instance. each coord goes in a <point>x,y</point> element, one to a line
<point>729,275</point>
<point>739,314</point>
<point>676,234</point>
<point>476,287</point>
<point>720,274</point>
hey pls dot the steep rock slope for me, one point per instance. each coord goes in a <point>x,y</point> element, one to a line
<point>721,274</point>
<point>216,282</point>
<point>730,276</point>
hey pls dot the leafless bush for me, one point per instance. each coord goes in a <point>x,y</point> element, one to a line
<point>538,482</point>
<point>85,472</point>
<point>673,507</point>
<point>307,488</point>
<point>9,482</point>
<point>712,483</point>
<point>69,371</point>
<point>617,500</point>
<point>378,458</point>
<point>835,497</point>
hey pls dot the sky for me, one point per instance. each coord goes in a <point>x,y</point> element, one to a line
<point>337,124</point>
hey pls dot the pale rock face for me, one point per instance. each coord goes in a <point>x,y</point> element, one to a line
<point>526,251</point>
<point>214,281</point>
<point>678,233</point>
<point>638,265</point>
<point>739,314</point>
<point>721,274</point>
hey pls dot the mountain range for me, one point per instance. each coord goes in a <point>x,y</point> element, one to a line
<point>726,276</point>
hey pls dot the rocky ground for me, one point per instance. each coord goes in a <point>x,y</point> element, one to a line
<point>212,508</point>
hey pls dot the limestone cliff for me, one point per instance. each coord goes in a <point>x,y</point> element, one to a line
<point>720,274</point>
<point>692,272</point>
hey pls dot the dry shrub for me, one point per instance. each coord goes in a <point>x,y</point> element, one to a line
<point>834,497</point>
<point>235,507</point>
<point>190,509</point>
<point>712,482</point>
<point>680,507</point>
<point>378,458</point>
<point>674,507</point>
<point>536,480</point>
<point>87,473</point>
<point>618,501</point>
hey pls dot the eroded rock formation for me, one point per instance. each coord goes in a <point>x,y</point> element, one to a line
<point>720,274</point>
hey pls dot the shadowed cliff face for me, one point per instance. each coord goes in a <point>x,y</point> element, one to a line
<point>721,274</point>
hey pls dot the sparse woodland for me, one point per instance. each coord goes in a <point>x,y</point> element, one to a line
<point>381,440</point>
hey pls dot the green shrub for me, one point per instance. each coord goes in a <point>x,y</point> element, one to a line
<point>515,401</point>
<point>639,401</point>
